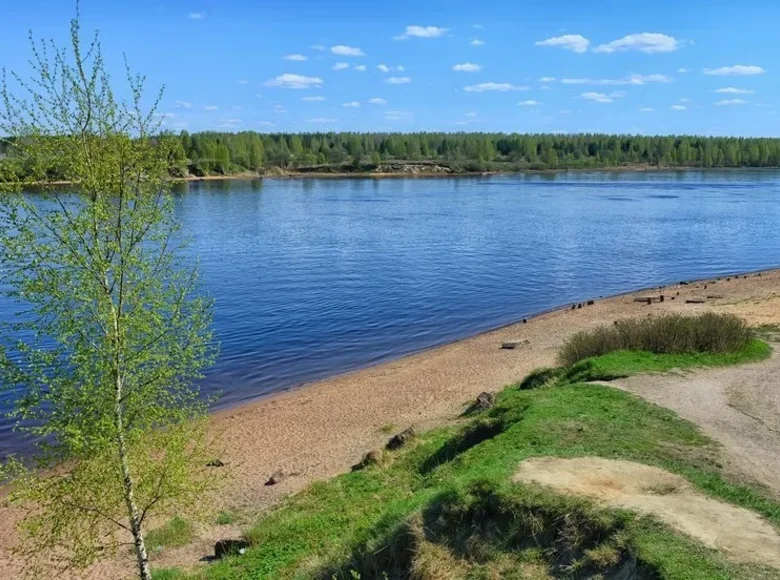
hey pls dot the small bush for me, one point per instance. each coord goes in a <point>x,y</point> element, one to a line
<point>670,334</point>
<point>175,533</point>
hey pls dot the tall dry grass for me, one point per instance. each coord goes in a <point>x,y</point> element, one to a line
<point>669,334</point>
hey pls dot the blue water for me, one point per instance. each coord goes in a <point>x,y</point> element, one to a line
<point>318,277</point>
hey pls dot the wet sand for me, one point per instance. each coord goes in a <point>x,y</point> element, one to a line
<point>319,430</point>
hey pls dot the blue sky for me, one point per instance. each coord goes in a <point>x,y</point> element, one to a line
<point>361,65</point>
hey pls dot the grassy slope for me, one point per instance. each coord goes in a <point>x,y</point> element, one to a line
<point>329,528</point>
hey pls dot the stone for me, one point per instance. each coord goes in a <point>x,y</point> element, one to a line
<point>369,459</point>
<point>230,547</point>
<point>277,477</point>
<point>483,401</point>
<point>695,301</point>
<point>590,302</point>
<point>399,440</point>
<point>683,283</point>
<point>215,463</point>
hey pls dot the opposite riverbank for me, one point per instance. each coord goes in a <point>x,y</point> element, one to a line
<point>321,429</point>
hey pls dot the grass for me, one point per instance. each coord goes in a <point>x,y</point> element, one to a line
<point>443,507</point>
<point>388,428</point>
<point>669,334</point>
<point>177,532</point>
<point>225,517</point>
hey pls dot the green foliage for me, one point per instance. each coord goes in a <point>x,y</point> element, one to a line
<point>668,334</point>
<point>177,532</point>
<point>223,153</point>
<point>454,484</point>
<point>114,332</point>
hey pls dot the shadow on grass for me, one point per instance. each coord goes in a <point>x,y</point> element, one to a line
<point>485,528</point>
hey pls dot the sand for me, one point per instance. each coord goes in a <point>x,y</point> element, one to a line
<point>320,430</point>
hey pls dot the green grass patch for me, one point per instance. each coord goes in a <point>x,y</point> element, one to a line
<point>225,517</point>
<point>168,574</point>
<point>443,507</point>
<point>624,363</point>
<point>177,532</point>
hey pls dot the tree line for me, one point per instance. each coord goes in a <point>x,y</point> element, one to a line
<point>210,153</point>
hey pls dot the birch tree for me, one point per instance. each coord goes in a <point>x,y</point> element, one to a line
<point>113,328</point>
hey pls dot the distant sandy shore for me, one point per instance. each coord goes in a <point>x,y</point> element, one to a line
<point>319,430</point>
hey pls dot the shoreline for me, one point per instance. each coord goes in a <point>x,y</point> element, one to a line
<point>253,176</point>
<point>320,429</point>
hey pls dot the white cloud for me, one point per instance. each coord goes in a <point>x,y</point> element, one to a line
<point>197,15</point>
<point>321,120</point>
<point>360,68</point>
<point>529,103</point>
<point>237,107</point>
<point>279,109</point>
<point>398,80</point>
<point>385,69</point>
<point>565,112</point>
<point>343,50</point>
<point>685,100</point>
<point>477,42</point>
<point>629,80</point>
<point>182,105</point>
<point>735,91</point>
<point>646,109</point>
<point>547,80</point>
<point>265,123</point>
<point>318,47</point>
<point>295,57</point>
<point>602,97</point>
<point>293,81</point>
<point>243,82</point>
<point>731,102</point>
<point>351,104</point>
<point>313,99</point>
<point>398,115</point>
<point>230,123</point>
<point>647,42</point>
<point>467,67</point>
<point>545,87</point>
<point>502,87</point>
<point>573,42</point>
<point>421,32</point>
<point>471,114</point>
<point>340,66</point>
<point>683,71</point>
<point>377,101</point>
<point>651,78</point>
<point>737,69</point>
<point>678,108</point>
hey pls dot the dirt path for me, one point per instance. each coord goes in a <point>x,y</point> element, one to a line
<point>737,406</point>
<point>739,533</point>
<point>322,429</point>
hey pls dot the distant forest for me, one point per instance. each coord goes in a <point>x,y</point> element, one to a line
<point>212,153</point>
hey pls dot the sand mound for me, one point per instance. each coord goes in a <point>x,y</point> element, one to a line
<point>741,534</point>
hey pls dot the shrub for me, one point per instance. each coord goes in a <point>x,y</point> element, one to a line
<point>669,334</point>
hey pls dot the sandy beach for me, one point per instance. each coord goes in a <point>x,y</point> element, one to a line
<point>319,430</point>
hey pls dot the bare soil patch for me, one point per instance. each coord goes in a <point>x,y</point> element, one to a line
<point>739,533</point>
